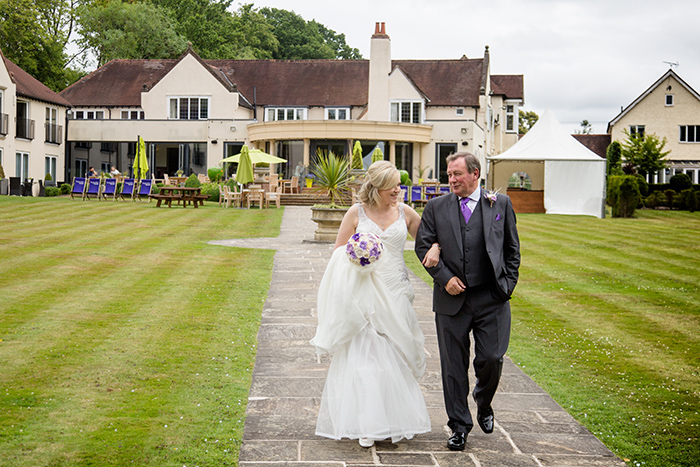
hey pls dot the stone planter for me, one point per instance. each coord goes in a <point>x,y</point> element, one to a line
<point>328,221</point>
<point>4,186</point>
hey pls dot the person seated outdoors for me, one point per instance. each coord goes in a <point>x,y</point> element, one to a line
<point>92,173</point>
<point>113,171</point>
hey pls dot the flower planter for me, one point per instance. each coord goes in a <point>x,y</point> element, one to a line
<point>328,221</point>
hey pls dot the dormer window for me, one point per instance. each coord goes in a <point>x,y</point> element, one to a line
<point>189,108</point>
<point>407,112</point>
<point>669,100</point>
<point>337,113</point>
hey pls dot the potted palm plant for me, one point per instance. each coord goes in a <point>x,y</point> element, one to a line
<point>330,179</point>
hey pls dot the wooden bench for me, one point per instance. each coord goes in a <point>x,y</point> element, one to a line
<point>165,198</point>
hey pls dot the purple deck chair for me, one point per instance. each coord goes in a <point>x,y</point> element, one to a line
<point>93,188</point>
<point>416,195</point>
<point>78,187</point>
<point>144,189</point>
<point>109,189</point>
<point>445,190</point>
<point>404,188</point>
<point>128,188</point>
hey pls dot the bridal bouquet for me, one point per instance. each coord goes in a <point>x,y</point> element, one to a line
<point>364,249</point>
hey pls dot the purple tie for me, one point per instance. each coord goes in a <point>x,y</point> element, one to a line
<point>466,212</point>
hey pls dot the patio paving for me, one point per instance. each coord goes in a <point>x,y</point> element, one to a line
<point>531,429</point>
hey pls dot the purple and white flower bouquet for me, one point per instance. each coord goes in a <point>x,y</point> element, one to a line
<point>364,249</point>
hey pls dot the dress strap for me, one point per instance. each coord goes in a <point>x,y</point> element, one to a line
<point>361,212</point>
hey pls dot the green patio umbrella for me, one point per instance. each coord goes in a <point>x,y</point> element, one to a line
<point>140,161</point>
<point>256,157</point>
<point>244,174</point>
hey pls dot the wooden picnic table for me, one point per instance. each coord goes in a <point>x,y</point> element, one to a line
<point>183,194</point>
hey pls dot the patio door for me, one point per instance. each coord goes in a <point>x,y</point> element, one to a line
<point>442,151</point>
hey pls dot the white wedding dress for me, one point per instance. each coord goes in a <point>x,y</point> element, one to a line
<point>368,325</point>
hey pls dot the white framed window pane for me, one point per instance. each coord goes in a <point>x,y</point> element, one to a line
<point>415,118</point>
<point>290,114</point>
<point>204,109</point>
<point>194,108</point>
<point>184,108</point>
<point>280,114</point>
<point>300,114</point>
<point>394,111</point>
<point>331,114</point>
<point>405,111</point>
<point>270,115</point>
<point>342,114</point>
<point>173,108</point>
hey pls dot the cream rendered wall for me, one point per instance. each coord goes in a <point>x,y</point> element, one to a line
<point>664,121</point>
<point>189,78</point>
<point>37,148</point>
<point>8,107</point>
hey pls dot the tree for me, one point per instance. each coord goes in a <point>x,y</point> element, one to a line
<point>586,128</point>
<point>119,30</point>
<point>526,120</point>
<point>614,157</point>
<point>34,34</point>
<point>644,152</point>
<point>337,42</point>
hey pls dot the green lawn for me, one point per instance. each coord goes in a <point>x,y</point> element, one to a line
<point>606,318</point>
<point>125,339</point>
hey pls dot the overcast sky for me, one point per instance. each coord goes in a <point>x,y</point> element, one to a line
<point>582,59</point>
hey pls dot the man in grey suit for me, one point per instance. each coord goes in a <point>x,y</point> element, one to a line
<point>473,282</point>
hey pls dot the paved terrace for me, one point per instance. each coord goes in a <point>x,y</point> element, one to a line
<point>531,429</point>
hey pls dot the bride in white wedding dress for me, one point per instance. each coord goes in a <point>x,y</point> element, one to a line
<point>367,323</point>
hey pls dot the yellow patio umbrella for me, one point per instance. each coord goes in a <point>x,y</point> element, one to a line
<point>256,157</point>
<point>244,174</point>
<point>140,161</point>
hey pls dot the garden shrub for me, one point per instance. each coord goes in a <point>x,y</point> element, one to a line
<point>643,185</point>
<point>65,188</point>
<point>680,182</point>
<point>623,195</point>
<point>193,181</point>
<point>669,194</point>
<point>48,178</point>
<point>212,190</point>
<point>688,200</point>
<point>215,174</point>
<point>655,200</point>
<point>52,191</point>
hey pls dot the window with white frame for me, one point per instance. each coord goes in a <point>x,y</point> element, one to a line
<point>4,118</point>
<point>337,113</point>
<point>81,167</point>
<point>407,112</point>
<point>669,100</point>
<point>189,108</point>
<point>511,120</point>
<point>89,114</point>
<point>22,165</point>
<point>689,134</point>
<point>459,112</point>
<point>50,163</point>
<point>274,114</point>
<point>52,130</point>
<point>637,131</point>
<point>132,115</point>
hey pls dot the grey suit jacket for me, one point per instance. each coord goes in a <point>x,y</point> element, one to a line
<point>441,223</point>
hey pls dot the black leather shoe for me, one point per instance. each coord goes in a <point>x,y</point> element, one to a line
<point>457,441</point>
<point>485,418</point>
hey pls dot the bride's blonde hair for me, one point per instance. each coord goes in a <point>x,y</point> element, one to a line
<point>382,175</point>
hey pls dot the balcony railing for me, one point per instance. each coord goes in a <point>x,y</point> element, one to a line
<point>54,133</point>
<point>4,119</point>
<point>25,128</point>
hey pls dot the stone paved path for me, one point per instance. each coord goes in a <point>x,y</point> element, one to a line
<point>531,429</point>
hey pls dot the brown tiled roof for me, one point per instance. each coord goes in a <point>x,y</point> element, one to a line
<point>289,82</point>
<point>510,86</point>
<point>299,82</point>
<point>117,83</point>
<point>446,82</point>
<point>596,143</point>
<point>30,87</point>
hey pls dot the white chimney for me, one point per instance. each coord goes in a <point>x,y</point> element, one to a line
<point>379,69</point>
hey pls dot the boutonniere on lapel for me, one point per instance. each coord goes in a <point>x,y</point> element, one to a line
<point>491,196</point>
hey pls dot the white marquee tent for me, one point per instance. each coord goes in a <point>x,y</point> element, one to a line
<point>574,176</point>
